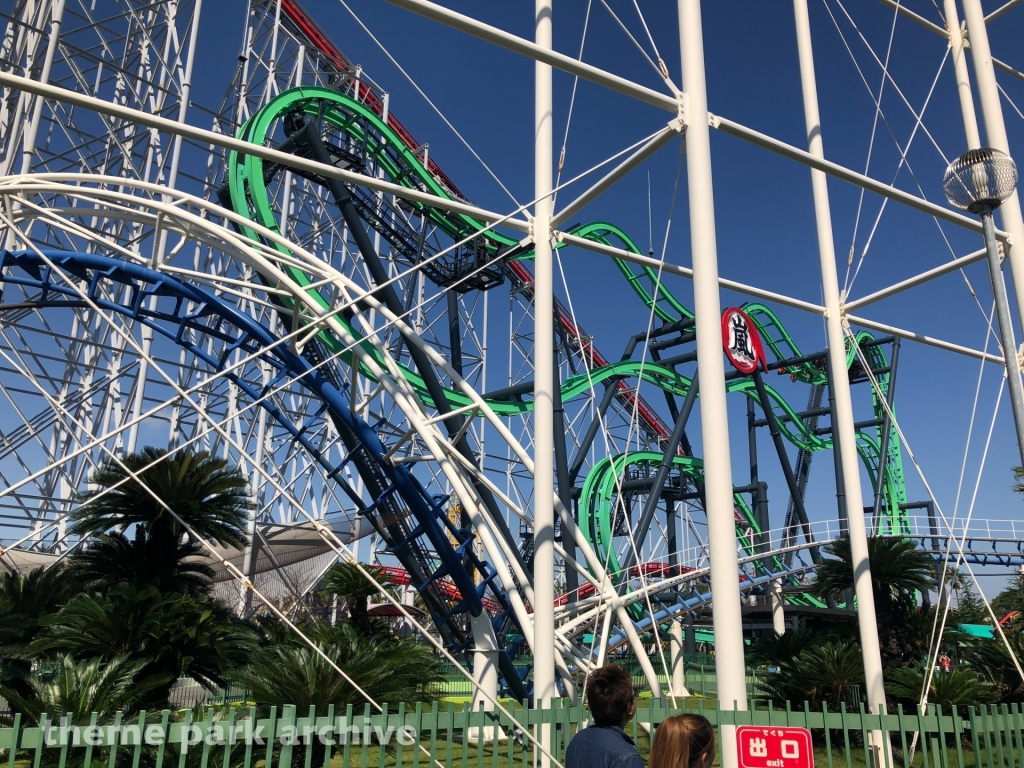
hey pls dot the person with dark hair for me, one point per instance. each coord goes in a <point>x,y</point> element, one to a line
<point>604,744</point>
<point>683,741</point>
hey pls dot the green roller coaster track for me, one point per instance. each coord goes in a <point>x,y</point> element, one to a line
<point>247,183</point>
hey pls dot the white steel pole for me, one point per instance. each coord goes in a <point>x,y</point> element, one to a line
<point>963,80</point>
<point>160,246</point>
<point>995,132</point>
<point>842,419</point>
<point>727,619</point>
<point>56,19</point>
<point>544,377</point>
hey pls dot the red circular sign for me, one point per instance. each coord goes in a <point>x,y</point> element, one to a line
<point>741,341</point>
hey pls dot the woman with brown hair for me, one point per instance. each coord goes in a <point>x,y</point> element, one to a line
<point>683,741</point>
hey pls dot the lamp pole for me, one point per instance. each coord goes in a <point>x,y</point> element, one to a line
<point>979,181</point>
<point>995,273</point>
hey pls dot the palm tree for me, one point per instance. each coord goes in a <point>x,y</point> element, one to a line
<point>1018,476</point>
<point>898,571</point>
<point>26,598</point>
<point>956,688</point>
<point>387,668</point>
<point>171,635</point>
<point>776,650</point>
<point>822,673</point>
<point>94,685</point>
<point>209,497</point>
<point>112,559</point>
<point>347,582</point>
<point>25,601</point>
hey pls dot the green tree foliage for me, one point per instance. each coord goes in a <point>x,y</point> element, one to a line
<point>25,601</point>
<point>1010,599</point>
<point>170,635</point>
<point>821,673</point>
<point>347,582</point>
<point>114,560</point>
<point>775,650</point>
<point>992,659</point>
<point>1018,479</point>
<point>388,668</point>
<point>970,608</point>
<point>211,498</point>
<point>132,609</point>
<point>899,571</point>
<point>956,688</point>
<point>101,686</point>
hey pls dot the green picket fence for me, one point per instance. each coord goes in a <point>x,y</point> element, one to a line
<point>240,737</point>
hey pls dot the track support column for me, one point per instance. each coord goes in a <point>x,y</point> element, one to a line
<point>728,622</point>
<point>842,416</point>
<point>778,603</point>
<point>485,672</point>
<point>544,382</point>
<point>678,663</point>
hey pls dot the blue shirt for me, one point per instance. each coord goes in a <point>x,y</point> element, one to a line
<point>602,746</point>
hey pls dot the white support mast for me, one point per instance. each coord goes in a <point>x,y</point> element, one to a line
<point>842,420</point>
<point>544,342</point>
<point>730,666</point>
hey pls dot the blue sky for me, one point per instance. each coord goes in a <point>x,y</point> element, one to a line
<point>764,215</point>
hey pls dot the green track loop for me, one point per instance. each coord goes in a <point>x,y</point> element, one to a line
<point>250,198</point>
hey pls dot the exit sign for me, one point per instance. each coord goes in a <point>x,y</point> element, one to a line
<point>761,747</point>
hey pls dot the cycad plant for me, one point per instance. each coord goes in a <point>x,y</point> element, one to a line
<point>203,491</point>
<point>956,688</point>
<point>822,673</point>
<point>899,571</point>
<point>115,560</point>
<point>776,649</point>
<point>25,601</point>
<point>347,582</point>
<point>387,668</point>
<point>81,688</point>
<point>171,635</point>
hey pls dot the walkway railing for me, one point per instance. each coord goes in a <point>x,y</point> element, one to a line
<point>239,737</point>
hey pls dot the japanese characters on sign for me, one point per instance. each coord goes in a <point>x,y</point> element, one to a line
<point>741,341</point>
<point>772,747</point>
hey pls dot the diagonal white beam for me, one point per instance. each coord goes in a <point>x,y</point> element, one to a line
<point>203,136</point>
<point>916,18</point>
<point>675,269</point>
<point>1007,68</point>
<point>910,282</point>
<point>920,337</point>
<point>557,60</point>
<point>839,172</point>
<point>627,165</point>
<point>789,301</point>
<point>1000,11</point>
